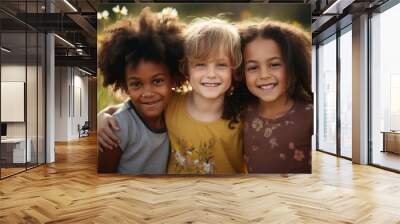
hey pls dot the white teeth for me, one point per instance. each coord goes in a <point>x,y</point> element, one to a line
<point>151,103</point>
<point>267,86</point>
<point>210,84</point>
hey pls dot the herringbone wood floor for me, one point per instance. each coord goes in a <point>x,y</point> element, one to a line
<point>70,191</point>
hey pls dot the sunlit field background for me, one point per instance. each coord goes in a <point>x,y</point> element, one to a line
<point>296,14</point>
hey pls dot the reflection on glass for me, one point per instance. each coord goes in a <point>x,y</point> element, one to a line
<point>327,96</point>
<point>385,87</point>
<point>23,91</point>
<point>346,94</point>
<point>394,101</point>
<point>13,70</point>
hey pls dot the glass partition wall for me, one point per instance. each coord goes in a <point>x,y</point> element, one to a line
<point>385,89</point>
<point>334,94</point>
<point>334,90</point>
<point>345,62</point>
<point>22,77</point>
<point>327,95</point>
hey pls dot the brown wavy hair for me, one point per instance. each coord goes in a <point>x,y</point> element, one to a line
<point>295,45</point>
<point>151,37</point>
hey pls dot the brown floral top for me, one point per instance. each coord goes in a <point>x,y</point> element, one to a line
<point>281,145</point>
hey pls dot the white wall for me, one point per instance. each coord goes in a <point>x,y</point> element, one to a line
<point>61,103</point>
<point>80,100</point>
<point>71,93</point>
<point>16,73</point>
<point>33,127</point>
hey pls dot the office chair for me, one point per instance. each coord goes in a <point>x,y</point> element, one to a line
<point>84,130</point>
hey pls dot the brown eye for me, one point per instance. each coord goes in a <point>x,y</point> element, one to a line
<point>276,65</point>
<point>135,84</point>
<point>251,68</point>
<point>222,65</point>
<point>158,82</point>
<point>199,65</point>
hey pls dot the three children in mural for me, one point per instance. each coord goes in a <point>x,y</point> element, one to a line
<point>209,97</point>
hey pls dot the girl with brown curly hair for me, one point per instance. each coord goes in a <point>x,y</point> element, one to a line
<point>277,97</point>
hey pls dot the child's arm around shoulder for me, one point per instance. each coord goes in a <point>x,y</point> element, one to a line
<point>106,126</point>
<point>108,160</point>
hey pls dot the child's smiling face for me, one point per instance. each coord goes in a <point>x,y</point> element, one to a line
<point>212,78</point>
<point>149,88</point>
<point>265,70</point>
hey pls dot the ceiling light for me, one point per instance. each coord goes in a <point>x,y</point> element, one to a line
<point>86,72</point>
<point>331,7</point>
<point>5,49</point>
<point>70,5</point>
<point>337,7</point>
<point>65,41</point>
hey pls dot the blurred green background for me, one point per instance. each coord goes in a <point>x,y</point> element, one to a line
<point>108,14</point>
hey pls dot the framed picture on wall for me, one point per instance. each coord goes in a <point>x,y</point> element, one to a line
<point>204,88</point>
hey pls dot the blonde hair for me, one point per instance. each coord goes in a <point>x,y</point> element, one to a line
<point>206,37</point>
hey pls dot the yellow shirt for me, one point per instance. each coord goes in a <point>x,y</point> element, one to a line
<point>201,147</point>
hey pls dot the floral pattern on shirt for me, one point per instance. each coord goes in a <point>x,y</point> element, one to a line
<point>192,159</point>
<point>257,124</point>
<point>283,145</point>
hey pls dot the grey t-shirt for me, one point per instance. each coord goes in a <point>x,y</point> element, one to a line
<point>144,150</point>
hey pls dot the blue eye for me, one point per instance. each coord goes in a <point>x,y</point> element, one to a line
<point>222,66</point>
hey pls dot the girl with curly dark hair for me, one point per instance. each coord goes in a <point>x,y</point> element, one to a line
<point>141,57</point>
<point>276,94</point>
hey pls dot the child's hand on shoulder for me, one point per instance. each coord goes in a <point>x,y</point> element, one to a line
<point>106,137</point>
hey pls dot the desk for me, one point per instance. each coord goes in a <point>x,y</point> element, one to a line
<point>13,150</point>
<point>391,141</point>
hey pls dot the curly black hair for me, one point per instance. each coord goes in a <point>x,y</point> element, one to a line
<point>295,45</point>
<point>151,37</point>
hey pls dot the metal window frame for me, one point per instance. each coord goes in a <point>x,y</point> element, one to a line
<point>44,75</point>
<point>339,32</point>
<point>379,10</point>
